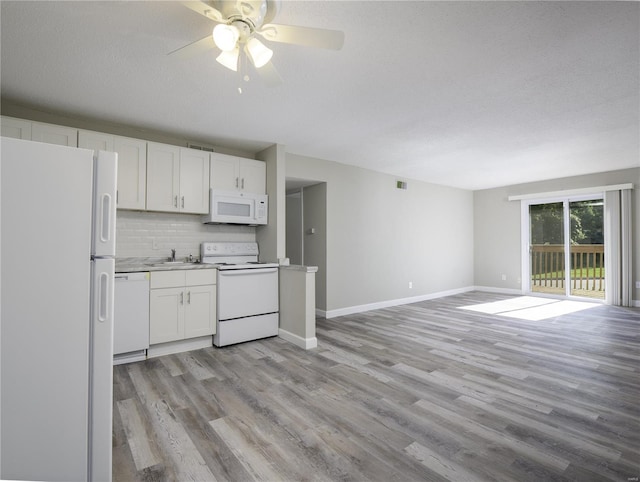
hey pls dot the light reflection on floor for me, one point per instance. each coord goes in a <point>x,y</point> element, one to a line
<point>531,308</point>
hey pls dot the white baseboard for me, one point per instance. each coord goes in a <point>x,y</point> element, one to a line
<point>415,299</point>
<point>385,304</point>
<point>306,343</point>
<point>502,291</point>
<point>130,357</point>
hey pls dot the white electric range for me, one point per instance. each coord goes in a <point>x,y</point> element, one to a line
<point>247,292</point>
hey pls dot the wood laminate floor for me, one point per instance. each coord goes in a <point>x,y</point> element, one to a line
<point>426,391</point>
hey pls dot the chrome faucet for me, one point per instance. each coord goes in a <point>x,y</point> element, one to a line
<point>173,255</point>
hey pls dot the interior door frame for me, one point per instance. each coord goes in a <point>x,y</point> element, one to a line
<point>525,240</point>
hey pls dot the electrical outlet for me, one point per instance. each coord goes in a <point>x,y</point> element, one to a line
<point>154,244</point>
<point>638,285</point>
<point>504,277</point>
<point>410,284</point>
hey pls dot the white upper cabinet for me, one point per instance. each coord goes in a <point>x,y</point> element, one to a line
<point>16,128</point>
<point>97,141</point>
<point>132,172</point>
<point>39,131</point>
<point>177,179</point>
<point>194,181</point>
<point>231,173</point>
<point>52,134</point>
<point>253,176</point>
<point>163,177</point>
<point>132,165</point>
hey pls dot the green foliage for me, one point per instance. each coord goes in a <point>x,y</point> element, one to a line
<point>586,218</point>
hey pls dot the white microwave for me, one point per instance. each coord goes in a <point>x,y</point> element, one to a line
<point>233,207</point>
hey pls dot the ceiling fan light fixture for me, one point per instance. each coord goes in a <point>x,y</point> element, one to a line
<point>226,36</point>
<point>229,59</point>
<point>258,53</point>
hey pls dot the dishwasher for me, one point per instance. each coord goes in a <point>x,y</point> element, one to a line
<point>131,317</point>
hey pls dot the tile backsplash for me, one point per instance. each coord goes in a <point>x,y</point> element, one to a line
<point>146,234</point>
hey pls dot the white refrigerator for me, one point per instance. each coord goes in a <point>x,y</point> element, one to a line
<point>57,248</point>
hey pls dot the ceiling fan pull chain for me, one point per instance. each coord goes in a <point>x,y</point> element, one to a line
<point>241,69</point>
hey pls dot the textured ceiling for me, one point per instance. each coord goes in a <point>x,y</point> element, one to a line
<point>467,94</point>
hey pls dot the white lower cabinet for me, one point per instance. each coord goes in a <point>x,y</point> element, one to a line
<point>182,305</point>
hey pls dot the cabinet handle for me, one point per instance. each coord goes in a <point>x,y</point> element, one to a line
<point>243,183</point>
<point>182,298</point>
<point>182,201</point>
<point>189,297</point>
<point>175,201</point>
<point>117,196</point>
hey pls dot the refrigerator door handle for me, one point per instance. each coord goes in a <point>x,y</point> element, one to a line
<point>105,215</point>
<point>103,298</point>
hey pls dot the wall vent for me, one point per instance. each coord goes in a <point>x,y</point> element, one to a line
<point>200,147</point>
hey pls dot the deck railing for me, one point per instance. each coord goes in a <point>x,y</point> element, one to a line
<point>587,269</point>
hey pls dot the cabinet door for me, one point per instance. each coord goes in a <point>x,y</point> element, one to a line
<point>166,315</point>
<point>52,134</point>
<point>16,128</point>
<point>163,177</point>
<point>225,172</point>
<point>194,181</point>
<point>200,311</point>
<point>132,172</point>
<point>253,176</point>
<point>95,140</point>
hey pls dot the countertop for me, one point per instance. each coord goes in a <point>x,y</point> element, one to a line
<point>133,265</point>
<point>298,267</point>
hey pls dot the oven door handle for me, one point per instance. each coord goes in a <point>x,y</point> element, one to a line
<point>246,271</point>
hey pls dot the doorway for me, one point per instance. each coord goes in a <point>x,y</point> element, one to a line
<point>306,230</point>
<point>566,247</point>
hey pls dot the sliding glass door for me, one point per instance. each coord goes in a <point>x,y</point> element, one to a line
<point>566,248</point>
<point>546,248</point>
<point>587,248</point>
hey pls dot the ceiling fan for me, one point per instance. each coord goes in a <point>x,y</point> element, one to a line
<point>239,23</point>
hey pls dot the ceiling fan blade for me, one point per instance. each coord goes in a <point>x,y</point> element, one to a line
<point>269,75</point>
<point>206,10</point>
<point>194,48</point>
<point>307,36</point>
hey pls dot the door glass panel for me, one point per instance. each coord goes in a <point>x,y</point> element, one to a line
<point>547,248</point>
<point>587,248</point>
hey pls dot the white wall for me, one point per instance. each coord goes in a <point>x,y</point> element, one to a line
<point>272,237</point>
<point>136,232</point>
<point>380,238</point>
<point>314,200</point>
<point>497,247</point>
<point>293,247</point>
